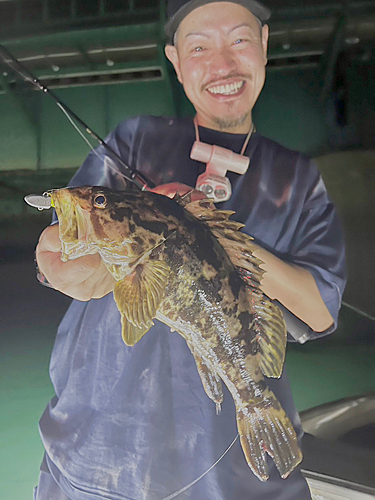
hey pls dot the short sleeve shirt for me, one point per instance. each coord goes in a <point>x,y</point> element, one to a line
<point>132,423</point>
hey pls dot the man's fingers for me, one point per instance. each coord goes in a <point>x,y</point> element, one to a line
<point>105,285</point>
<point>73,271</point>
<point>175,187</point>
<point>82,278</point>
<point>171,189</point>
<point>88,280</point>
<point>49,239</point>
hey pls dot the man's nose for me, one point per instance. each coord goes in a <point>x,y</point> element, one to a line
<point>222,62</point>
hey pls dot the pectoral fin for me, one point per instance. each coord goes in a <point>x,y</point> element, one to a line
<point>138,297</point>
<point>210,380</point>
<point>130,333</point>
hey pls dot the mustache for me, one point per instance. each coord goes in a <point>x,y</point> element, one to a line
<point>221,79</point>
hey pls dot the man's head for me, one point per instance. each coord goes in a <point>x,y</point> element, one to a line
<point>219,53</point>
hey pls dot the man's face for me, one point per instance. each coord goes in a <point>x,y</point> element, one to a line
<point>220,58</point>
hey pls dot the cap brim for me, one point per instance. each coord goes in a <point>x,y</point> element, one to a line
<point>256,8</point>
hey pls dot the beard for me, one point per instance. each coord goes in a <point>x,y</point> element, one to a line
<point>228,122</point>
<point>232,117</point>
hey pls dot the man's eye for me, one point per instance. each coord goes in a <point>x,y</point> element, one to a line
<point>198,49</point>
<point>238,41</point>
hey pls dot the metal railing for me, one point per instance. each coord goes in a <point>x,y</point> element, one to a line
<point>30,15</point>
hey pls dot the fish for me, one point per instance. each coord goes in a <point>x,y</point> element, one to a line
<point>189,265</point>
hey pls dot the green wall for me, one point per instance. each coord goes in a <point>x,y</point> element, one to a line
<point>101,107</point>
<point>18,136</point>
<point>289,110</point>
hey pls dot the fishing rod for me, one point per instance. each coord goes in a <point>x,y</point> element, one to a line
<point>130,174</point>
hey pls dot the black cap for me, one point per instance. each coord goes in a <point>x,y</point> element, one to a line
<point>177,10</point>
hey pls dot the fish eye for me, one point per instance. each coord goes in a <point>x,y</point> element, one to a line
<point>100,201</point>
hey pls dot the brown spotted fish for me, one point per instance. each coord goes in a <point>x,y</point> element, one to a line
<point>190,267</point>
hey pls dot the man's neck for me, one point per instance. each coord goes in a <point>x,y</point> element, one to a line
<point>230,127</point>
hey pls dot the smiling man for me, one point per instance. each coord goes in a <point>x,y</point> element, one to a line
<point>134,423</point>
<point>220,54</point>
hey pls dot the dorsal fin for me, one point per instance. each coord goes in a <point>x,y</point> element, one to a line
<point>271,333</point>
<point>269,322</point>
<point>183,199</point>
<point>239,246</point>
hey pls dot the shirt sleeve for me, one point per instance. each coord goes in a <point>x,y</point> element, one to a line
<point>318,246</point>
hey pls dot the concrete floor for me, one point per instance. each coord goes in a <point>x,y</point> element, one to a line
<point>321,371</point>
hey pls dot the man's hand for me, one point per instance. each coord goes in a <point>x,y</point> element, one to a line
<point>295,288</point>
<point>83,279</point>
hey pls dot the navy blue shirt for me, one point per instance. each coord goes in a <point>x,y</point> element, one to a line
<point>134,422</point>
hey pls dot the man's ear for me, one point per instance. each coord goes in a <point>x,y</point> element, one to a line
<point>172,55</point>
<point>265,34</point>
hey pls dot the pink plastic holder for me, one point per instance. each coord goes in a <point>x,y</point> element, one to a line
<point>219,160</point>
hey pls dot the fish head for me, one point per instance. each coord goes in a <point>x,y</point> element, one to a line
<point>121,226</point>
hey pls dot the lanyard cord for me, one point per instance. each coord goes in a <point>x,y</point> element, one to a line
<point>252,129</point>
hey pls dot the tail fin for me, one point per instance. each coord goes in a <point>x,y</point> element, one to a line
<point>267,429</point>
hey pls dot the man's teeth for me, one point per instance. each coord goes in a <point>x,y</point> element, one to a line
<point>227,89</point>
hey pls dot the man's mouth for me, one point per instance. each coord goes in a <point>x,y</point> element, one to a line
<point>227,89</point>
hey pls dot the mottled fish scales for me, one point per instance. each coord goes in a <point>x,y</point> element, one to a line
<point>189,265</point>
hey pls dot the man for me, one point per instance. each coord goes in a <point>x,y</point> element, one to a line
<point>135,423</point>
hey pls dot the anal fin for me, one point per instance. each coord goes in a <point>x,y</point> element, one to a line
<point>210,380</point>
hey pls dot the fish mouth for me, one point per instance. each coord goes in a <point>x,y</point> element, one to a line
<point>73,224</point>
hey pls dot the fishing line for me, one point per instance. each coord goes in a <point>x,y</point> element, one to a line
<point>173,495</point>
<point>358,311</point>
